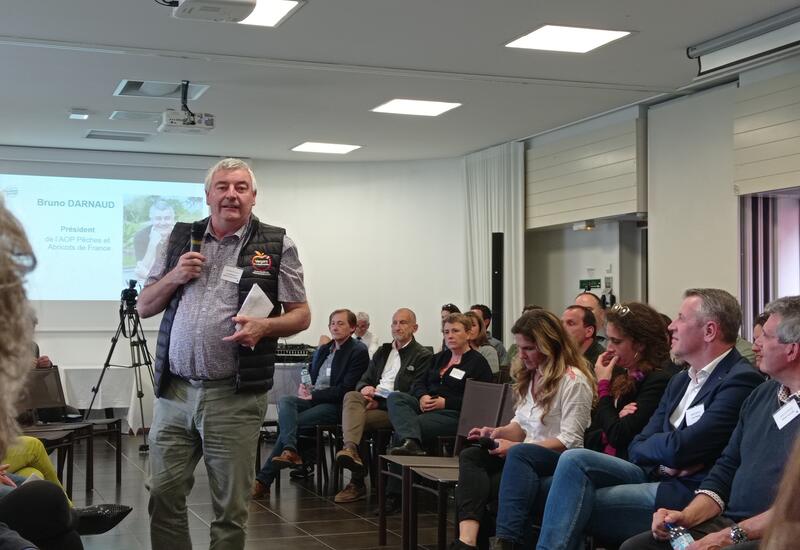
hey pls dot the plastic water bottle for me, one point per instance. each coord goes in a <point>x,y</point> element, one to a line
<point>679,537</point>
<point>305,378</point>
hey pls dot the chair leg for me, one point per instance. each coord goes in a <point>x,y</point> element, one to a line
<point>90,462</point>
<point>441,516</point>
<point>381,503</point>
<point>258,451</point>
<point>412,516</point>
<point>320,460</point>
<point>70,464</point>
<point>118,441</point>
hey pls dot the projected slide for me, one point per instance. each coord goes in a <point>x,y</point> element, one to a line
<point>91,236</point>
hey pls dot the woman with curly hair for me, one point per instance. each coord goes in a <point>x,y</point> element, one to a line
<point>630,377</point>
<point>479,341</point>
<point>554,393</point>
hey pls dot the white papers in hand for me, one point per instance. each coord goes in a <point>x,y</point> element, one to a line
<point>256,304</point>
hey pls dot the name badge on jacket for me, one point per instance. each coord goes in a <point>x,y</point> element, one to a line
<point>458,374</point>
<point>693,414</point>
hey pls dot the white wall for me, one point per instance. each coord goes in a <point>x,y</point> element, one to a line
<point>556,260</point>
<point>693,214</point>
<point>372,236</point>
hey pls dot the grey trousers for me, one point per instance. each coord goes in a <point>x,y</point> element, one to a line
<point>202,419</point>
<point>645,541</point>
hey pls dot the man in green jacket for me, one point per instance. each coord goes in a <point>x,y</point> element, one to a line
<point>394,367</point>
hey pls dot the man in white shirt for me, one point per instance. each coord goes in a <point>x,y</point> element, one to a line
<point>394,367</point>
<point>363,335</point>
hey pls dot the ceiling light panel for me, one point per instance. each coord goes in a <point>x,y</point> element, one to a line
<point>78,114</point>
<point>566,39</point>
<point>328,148</point>
<point>271,13</point>
<point>415,107</point>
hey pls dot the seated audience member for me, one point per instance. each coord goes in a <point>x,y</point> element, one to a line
<point>447,310</point>
<point>554,391</point>
<point>363,335</point>
<point>630,377</point>
<point>593,302</point>
<point>486,316</point>
<point>630,385</point>
<point>614,499</point>
<point>581,325</point>
<point>758,330</point>
<point>432,406</point>
<point>37,514</point>
<point>26,456</point>
<point>40,361</point>
<point>732,504</point>
<point>513,350</point>
<point>393,368</point>
<point>335,369</point>
<point>480,343</point>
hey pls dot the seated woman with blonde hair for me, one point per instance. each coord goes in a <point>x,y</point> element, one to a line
<point>554,390</point>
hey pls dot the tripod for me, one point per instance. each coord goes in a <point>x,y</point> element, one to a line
<point>130,327</point>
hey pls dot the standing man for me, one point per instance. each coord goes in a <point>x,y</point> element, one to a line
<point>581,325</point>
<point>486,316</point>
<point>394,367</point>
<point>363,335</point>
<point>592,301</point>
<point>213,368</point>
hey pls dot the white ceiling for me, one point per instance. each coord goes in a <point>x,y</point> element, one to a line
<point>316,77</point>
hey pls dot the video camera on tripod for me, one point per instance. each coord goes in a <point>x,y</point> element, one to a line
<point>128,297</point>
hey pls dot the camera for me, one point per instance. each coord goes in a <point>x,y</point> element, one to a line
<point>129,295</point>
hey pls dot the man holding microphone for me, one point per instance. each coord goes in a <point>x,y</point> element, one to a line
<point>213,367</point>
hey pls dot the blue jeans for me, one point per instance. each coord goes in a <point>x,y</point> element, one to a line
<point>294,413</point>
<point>596,494</point>
<point>520,485</point>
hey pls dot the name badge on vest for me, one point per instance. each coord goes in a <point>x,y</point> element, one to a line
<point>693,414</point>
<point>458,374</point>
<point>231,274</point>
<point>786,414</point>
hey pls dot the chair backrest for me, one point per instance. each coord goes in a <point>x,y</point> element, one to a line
<point>509,401</point>
<point>483,405</point>
<point>43,390</point>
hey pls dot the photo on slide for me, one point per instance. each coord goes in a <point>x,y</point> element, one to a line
<point>147,222</point>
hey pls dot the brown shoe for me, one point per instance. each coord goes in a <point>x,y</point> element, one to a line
<point>348,459</point>
<point>351,493</point>
<point>287,459</point>
<point>259,490</point>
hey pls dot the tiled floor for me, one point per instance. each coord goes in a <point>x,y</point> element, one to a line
<point>297,518</point>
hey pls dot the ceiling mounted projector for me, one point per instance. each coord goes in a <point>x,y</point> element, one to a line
<point>183,122</point>
<point>231,11</point>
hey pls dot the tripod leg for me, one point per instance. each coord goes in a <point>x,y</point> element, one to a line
<point>96,388</point>
<point>137,376</point>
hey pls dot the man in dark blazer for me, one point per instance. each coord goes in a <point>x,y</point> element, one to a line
<point>335,369</point>
<point>394,367</point>
<point>613,499</point>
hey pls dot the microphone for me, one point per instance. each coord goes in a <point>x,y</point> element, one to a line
<point>196,239</point>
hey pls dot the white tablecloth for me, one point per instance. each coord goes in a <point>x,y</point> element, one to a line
<point>117,390</point>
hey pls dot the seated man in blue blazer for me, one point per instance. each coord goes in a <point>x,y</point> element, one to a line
<point>612,499</point>
<point>336,367</point>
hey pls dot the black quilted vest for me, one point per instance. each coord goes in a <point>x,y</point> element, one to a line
<point>255,367</point>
